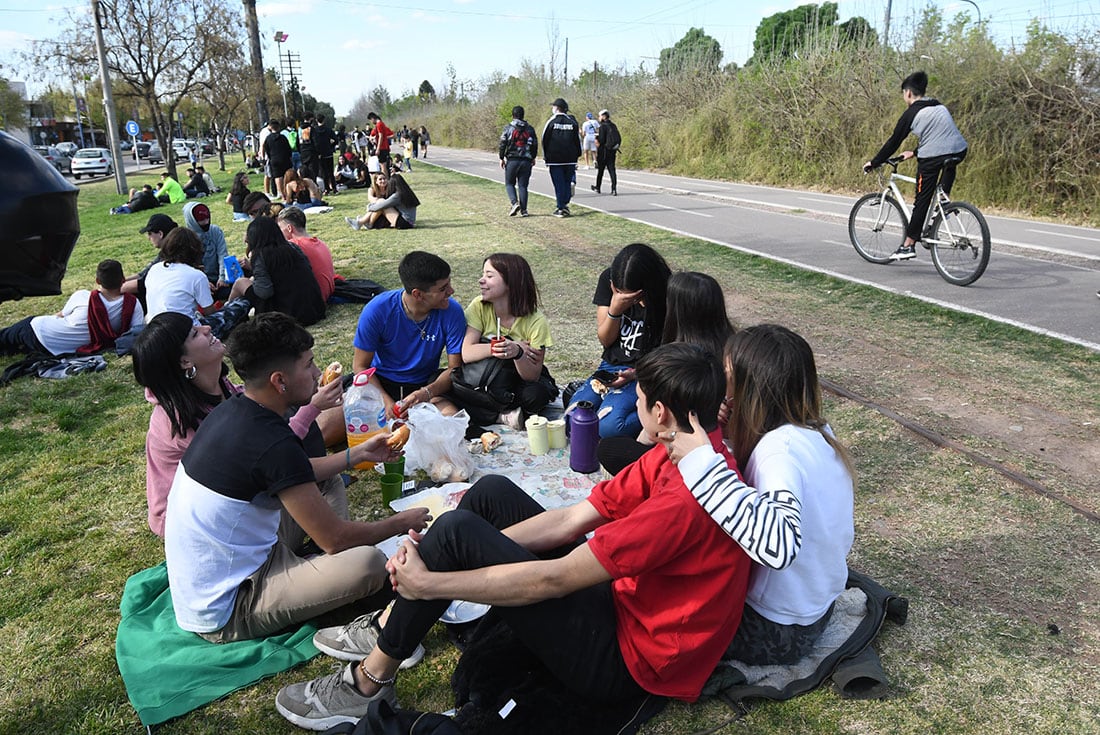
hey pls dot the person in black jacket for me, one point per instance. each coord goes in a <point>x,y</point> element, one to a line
<point>324,142</point>
<point>561,147</point>
<point>276,150</point>
<point>607,147</point>
<point>519,147</point>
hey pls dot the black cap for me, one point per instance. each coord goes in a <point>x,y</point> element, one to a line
<point>159,223</point>
<point>561,104</point>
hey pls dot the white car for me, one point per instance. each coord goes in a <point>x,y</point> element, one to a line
<point>92,161</point>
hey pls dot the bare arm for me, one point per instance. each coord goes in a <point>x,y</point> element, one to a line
<point>308,507</point>
<point>556,527</point>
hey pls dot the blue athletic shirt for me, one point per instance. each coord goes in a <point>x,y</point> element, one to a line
<point>404,351</point>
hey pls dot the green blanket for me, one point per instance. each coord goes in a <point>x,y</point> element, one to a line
<point>168,672</point>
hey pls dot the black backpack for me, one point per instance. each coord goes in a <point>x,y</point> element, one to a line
<point>614,140</point>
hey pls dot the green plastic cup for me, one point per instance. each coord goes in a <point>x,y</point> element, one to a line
<point>391,486</point>
<point>395,468</point>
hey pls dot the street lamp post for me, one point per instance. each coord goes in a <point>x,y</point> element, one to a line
<point>280,37</point>
<point>976,8</point>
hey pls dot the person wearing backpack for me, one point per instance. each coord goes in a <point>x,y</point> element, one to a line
<point>608,141</point>
<point>561,147</point>
<point>518,148</point>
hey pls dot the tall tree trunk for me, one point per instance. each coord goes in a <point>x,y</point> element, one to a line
<point>252,23</point>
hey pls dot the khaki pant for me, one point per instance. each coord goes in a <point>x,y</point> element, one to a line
<point>289,589</point>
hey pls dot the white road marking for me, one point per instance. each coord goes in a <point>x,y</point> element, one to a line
<point>677,209</point>
<point>1063,234</point>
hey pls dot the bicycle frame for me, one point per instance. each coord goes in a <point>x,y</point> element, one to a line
<point>889,186</point>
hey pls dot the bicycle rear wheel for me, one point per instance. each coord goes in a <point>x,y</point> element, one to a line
<point>876,227</point>
<point>960,243</point>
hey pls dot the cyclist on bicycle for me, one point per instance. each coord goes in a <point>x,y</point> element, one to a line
<point>942,147</point>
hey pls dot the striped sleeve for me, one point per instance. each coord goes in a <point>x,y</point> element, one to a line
<point>767,525</point>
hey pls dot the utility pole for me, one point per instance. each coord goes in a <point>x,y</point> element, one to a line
<point>108,100</point>
<point>252,24</point>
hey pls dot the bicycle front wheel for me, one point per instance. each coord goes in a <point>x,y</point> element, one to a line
<point>960,243</point>
<point>876,227</point>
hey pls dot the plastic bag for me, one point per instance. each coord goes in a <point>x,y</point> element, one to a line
<point>437,444</point>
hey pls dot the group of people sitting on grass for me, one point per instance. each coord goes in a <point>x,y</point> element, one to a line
<point>722,533</point>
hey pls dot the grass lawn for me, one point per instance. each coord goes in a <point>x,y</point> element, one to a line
<point>1003,631</point>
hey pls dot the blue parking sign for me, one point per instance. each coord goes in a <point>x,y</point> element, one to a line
<point>132,128</point>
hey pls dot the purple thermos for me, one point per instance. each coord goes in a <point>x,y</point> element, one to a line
<point>584,436</point>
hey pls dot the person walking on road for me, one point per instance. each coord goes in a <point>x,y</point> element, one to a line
<point>589,130</point>
<point>519,146</point>
<point>561,147</point>
<point>608,141</point>
<point>942,148</point>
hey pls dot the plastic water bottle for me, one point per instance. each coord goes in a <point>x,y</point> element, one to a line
<point>364,412</point>
<point>584,436</point>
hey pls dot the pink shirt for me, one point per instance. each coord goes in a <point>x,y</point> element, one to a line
<point>320,260</point>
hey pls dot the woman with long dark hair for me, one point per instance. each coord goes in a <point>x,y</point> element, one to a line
<point>630,303</point>
<point>236,196</point>
<point>793,513</point>
<point>282,279</point>
<point>508,302</point>
<point>181,365</point>
<point>696,314</point>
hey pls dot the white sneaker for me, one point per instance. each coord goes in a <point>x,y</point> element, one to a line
<point>352,222</point>
<point>512,419</point>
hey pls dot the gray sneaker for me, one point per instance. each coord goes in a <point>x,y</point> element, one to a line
<point>514,210</point>
<point>352,642</point>
<point>352,222</point>
<point>328,701</point>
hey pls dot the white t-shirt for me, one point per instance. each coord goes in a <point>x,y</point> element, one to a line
<point>801,461</point>
<point>69,332</point>
<point>176,287</point>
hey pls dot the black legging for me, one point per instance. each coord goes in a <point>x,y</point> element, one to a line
<point>574,636</point>
<point>606,159</point>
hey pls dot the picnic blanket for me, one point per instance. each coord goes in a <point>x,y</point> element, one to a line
<point>168,671</point>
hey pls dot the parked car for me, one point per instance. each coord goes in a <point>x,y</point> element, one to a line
<point>155,155</point>
<point>68,148</point>
<point>125,145</point>
<point>56,158</point>
<point>181,151</point>
<point>92,161</point>
<point>206,146</point>
<point>143,149</point>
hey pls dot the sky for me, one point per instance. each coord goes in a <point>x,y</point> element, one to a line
<point>348,47</point>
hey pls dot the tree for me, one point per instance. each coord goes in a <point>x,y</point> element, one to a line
<point>696,52</point>
<point>317,107</point>
<point>379,100</point>
<point>783,34</point>
<point>426,92</point>
<point>13,109</point>
<point>162,51</point>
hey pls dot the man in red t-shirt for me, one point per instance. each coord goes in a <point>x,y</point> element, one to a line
<point>381,135</point>
<point>292,221</point>
<point>645,607</point>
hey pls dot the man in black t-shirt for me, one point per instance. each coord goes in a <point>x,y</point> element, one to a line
<point>246,495</point>
<point>279,156</point>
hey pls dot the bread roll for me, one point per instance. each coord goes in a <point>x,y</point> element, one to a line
<point>399,437</point>
<point>331,373</point>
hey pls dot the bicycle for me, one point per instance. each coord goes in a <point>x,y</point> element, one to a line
<point>955,232</point>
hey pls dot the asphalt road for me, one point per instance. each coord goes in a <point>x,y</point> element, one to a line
<point>1041,276</point>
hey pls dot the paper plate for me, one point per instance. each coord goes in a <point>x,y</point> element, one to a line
<point>461,611</point>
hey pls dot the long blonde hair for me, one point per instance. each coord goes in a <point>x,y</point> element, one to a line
<point>773,381</point>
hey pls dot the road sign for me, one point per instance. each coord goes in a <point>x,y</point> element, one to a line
<point>132,128</point>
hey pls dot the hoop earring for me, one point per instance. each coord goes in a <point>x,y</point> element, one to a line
<point>190,372</point>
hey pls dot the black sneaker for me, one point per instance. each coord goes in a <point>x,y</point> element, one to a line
<point>565,212</point>
<point>523,213</point>
<point>559,213</point>
<point>904,253</point>
<point>514,210</point>
<point>595,189</point>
